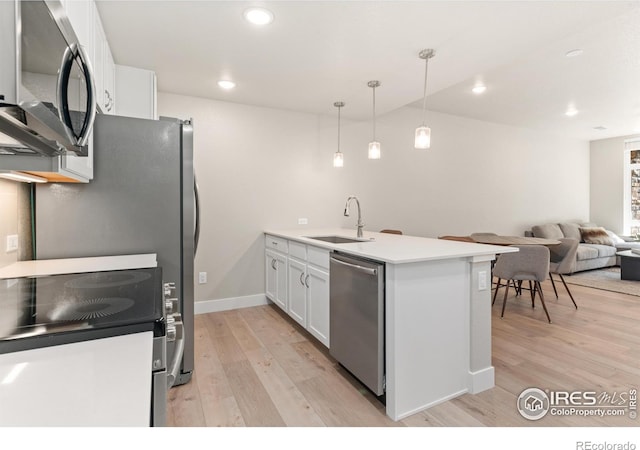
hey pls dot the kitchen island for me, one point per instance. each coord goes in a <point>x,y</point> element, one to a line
<point>437,311</point>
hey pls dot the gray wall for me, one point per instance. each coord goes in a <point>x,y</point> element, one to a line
<point>261,168</point>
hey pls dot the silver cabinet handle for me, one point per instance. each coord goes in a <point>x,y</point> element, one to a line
<point>366,270</point>
<point>301,280</point>
<point>274,243</point>
<point>273,264</point>
<point>306,281</point>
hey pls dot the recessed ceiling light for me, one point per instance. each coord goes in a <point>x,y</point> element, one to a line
<point>571,112</point>
<point>226,84</point>
<point>258,16</point>
<point>574,52</point>
<point>479,89</point>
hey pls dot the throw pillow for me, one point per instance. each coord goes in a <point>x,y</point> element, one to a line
<point>615,238</point>
<point>596,235</point>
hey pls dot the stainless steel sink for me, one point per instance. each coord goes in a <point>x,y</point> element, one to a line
<point>336,239</point>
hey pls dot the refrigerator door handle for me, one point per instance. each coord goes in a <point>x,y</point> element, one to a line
<point>196,195</point>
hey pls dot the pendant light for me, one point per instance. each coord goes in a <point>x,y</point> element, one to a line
<point>338,157</point>
<point>423,133</point>
<point>374,146</point>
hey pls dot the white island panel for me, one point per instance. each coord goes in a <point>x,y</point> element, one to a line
<point>427,340</point>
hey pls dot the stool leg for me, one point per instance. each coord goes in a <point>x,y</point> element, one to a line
<point>495,293</point>
<point>542,300</point>
<point>533,295</point>
<point>568,291</point>
<point>504,302</point>
<point>532,291</point>
<point>553,284</point>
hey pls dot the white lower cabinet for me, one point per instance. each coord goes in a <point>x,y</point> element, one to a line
<point>297,294</point>
<point>306,278</point>
<point>276,278</point>
<point>318,300</point>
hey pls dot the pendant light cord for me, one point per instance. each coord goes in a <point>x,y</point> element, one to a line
<point>424,96</point>
<point>339,107</point>
<point>374,113</point>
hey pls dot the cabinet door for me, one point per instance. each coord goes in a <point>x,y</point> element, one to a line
<point>80,14</point>
<point>109,80</point>
<point>271,275</point>
<point>79,165</point>
<point>136,92</point>
<point>276,278</point>
<point>281,290</point>
<point>297,291</point>
<point>99,40</point>
<point>318,296</point>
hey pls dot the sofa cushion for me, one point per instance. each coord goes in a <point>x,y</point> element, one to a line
<point>586,251</point>
<point>571,230</point>
<point>595,235</point>
<point>604,251</point>
<point>547,231</point>
<point>624,245</point>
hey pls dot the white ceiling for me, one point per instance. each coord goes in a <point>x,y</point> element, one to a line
<point>319,52</point>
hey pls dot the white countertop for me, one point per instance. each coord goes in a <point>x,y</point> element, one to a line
<point>77,265</point>
<point>393,248</point>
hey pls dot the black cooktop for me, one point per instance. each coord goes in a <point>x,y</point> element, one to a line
<point>57,309</point>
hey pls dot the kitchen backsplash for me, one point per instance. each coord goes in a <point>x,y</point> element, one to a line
<point>15,219</point>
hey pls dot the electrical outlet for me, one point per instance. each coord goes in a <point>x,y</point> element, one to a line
<point>202,277</point>
<point>12,243</point>
<point>302,221</point>
<point>482,280</point>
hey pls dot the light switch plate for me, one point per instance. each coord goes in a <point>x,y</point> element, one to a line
<point>202,277</point>
<point>302,221</point>
<point>12,243</point>
<point>482,280</point>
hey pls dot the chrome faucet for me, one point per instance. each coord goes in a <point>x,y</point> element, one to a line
<point>360,225</point>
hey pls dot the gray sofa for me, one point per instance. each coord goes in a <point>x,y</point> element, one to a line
<point>588,256</point>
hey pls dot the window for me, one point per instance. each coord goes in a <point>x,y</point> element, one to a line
<point>632,187</point>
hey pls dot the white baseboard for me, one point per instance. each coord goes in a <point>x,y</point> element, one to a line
<point>225,304</point>
<point>481,380</point>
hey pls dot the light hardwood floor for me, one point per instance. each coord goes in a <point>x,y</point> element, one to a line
<point>256,367</point>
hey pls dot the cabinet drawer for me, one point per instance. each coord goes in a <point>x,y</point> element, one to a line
<point>318,256</point>
<point>276,243</point>
<point>298,250</point>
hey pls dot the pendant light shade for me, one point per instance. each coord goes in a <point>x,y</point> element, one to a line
<point>374,150</point>
<point>423,137</point>
<point>423,133</point>
<point>374,146</point>
<point>338,157</point>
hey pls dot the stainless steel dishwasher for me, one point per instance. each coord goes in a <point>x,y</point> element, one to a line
<point>357,318</point>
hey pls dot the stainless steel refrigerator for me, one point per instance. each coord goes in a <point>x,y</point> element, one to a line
<point>143,199</point>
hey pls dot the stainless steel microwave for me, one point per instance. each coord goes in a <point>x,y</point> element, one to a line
<point>47,88</point>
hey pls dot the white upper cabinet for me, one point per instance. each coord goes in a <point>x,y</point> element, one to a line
<point>137,92</point>
<point>80,13</point>
<point>109,72</point>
